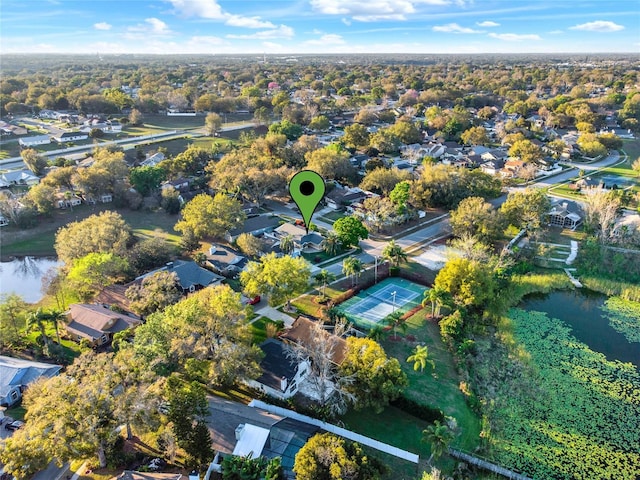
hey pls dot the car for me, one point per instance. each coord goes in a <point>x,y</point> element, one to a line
<point>15,425</point>
<point>254,300</point>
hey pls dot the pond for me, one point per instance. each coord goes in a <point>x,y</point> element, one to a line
<point>24,276</point>
<point>581,309</point>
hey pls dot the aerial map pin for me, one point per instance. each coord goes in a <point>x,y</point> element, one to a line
<point>307,189</point>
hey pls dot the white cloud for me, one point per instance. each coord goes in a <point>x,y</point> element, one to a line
<point>158,26</point>
<point>211,10</point>
<point>346,21</point>
<point>487,23</point>
<point>282,31</point>
<point>328,39</point>
<point>248,22</point>
<point>556,32</point>
<point>372,10</point>
<point>454,28</point>
<point>152,26</point>
<point>514,37</point>
<point>102,26</point>
<point>598,26</point>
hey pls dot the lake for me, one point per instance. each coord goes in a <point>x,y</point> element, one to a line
<point>581,310</point>
<point>24,276</point>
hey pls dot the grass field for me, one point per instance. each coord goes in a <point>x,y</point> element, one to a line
<point>39,240</point>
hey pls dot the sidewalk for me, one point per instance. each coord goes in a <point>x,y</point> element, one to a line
<point>273,314</point>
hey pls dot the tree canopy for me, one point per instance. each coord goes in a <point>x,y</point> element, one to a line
<point>206,216</point>
<point>350,231</point>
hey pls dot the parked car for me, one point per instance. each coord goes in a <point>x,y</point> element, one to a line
<point>15,425</point>
<point>254,300</point>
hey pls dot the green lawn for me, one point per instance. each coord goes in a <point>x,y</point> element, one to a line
<point>632,148</point>
<point>259,328</point>
<point>440,388</point>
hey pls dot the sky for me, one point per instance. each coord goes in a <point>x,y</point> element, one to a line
<point>319,26</point>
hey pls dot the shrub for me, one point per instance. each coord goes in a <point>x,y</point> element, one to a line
<point>423,412</point>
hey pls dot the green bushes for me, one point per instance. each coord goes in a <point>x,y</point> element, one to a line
<point>423,412</point>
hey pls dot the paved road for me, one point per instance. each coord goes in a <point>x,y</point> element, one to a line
<point>613,158</point>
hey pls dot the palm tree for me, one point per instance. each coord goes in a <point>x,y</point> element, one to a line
<point>55,316</point>
<point>331,244</point>
<point>324,277</point>
<point>376,333</point>
<point>286,244</point>
<point>439,436</point>
<point>395,320</point>
<point>394,253</point>
<point>352,267</point>
<point>36,321</point>
<point>437,297</point>
<point>420,358</point>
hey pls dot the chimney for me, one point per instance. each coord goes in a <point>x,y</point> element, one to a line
<point>283,384</point>
<point>565,205</point>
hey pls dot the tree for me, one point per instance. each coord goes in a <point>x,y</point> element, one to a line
<point>154,293</point>
<point>400,195</point>
<point>394,253</point>
<point>439,436</point>
<point>136,117</point>
<point>34,161</point>
<point>212,124</point>
<point>170,200</point>
<point>94,271</point>
<point>375,379</point>
<point>286,244</point>
<point>278,278</point>
<point>327,457</point>
<point>475,136</point>
<point>291,130</point>
<point>527,209</point>
<point>13,311</point>
<point>149,253</point>
<point>322,278</point>
<point>601,210</point>
<point>60,178</point>
<point>420,358</point>
<point>469,282</point>
<point>106,232</point>
<point>207,216</point>
<point>352,267</point>
<point>146,179</point>
<point>74,415</point>
<point>380,211</point>
<point>330,163</point>
<point>42,197</point>
<point>350,231</point>
<point>319,123</point>
<point>590,146</point>
<point>250,245</point>
<point>356,136</point>
<point>37,320</point>
<point>331,244</point>
<point>478,218</point>
<point>526,151</point>
<point>437,298</point>
<point>636,166</point>
<point>383,180</point>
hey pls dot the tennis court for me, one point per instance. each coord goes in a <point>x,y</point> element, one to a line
<point>371,306</point>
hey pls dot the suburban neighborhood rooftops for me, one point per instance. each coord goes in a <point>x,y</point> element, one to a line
<point>17,372</point>
<point>93,321</point>
<point>302,332</point>
<point>276,365</point>
<point>260,224</point>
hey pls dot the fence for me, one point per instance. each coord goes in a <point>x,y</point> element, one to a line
<point>356,437</point>
<point>492,467</point>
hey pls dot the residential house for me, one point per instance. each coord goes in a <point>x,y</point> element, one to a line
<point>67,200</point>
<point>302,241</point>
<point>98,323</point>
<point>102,198</point>
<point>33,141</point>
<point>495,155</point>
<point>341,197</point>
<point>114,296</point>
<point>565,214</point>
<point>181,184</point>
<point>16,374</point>
<point>225,260</point>
<point>281,374</point>
<point>283,440</point>
<point>153,160</point>
<point>512,167</point>
<point>255,226</point>
<point>18,177</point>
<point>492,167</point>
<point>3,221</point>
<point>49,114</point>
<point>302,331</point>
<point>191,276</point>
<point>70,137</point>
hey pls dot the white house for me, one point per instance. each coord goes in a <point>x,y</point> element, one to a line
<point>19,177</point>
<point>70,137</point>
<point>281,375</point>
<point>16,374</point>
<point>33,141</point>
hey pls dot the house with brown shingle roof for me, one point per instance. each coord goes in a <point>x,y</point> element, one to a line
<point>98,323</point>
<point>303,333</point>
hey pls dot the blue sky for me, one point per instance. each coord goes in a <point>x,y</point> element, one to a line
<point>319,26</point>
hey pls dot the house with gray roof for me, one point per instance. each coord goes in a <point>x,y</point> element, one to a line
<point>225,260</point>
<point>255,226</point>
<point>97,323</point>
<point>35,140</point>
<point>16,374</point>
<point>191,276</point>
<point>18,177</point>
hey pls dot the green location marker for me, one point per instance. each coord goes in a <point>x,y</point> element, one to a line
<point>307,189</point>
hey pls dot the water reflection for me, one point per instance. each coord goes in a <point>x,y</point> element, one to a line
<point>24,276</point>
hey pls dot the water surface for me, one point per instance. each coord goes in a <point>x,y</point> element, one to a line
<point>24,276</point>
